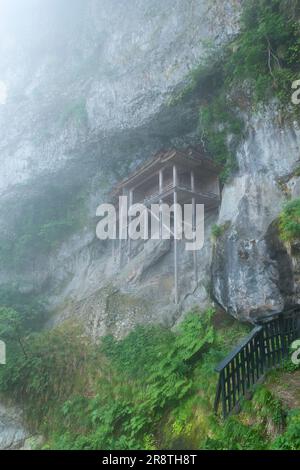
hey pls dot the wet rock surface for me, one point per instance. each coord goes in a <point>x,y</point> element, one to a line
<point>75,122</point>
<point>252,272</point>
<point>13,432</point>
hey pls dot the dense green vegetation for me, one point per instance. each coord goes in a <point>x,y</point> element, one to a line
<point>218,230</point>
<point>152,389</point>
<point>258,66</point>
<point>289,221</point>
<point>42,225</point>
<point>31,307</point>
<point>155,388</point>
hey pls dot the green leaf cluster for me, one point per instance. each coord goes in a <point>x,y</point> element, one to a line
<point>289,221</point>
<point>153,389</point>
<point>257,66</point>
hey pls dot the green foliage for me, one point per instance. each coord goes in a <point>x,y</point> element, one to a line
<point>42,373</point>
<point>42,225</point>
<point>141,377</point>
<point>139,353</point>
<point>266,51</point>
<point>193,425</point>
<point>19,316</point>
<point>268,407</point>
<point>152,367</point>
<point>222,131</point>
<point>218,230</point>
<point>220,127</point>
<point>290,439</point>
<point>258,65</point>
<point>234,435</point>
<point>195,335</point>
<point>288,365</point>
<point>150,372</point>
<point>153,389</point>
<point>31,307</point>
<point>289,222</point>
<point>139,349</point>
<point>11,324</point>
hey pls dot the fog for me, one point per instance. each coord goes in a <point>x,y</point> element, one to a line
<point>32,31</point>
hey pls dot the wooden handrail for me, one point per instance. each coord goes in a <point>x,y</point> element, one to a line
<point>169,187</point>
<point>265,347</point>
<point>235,351</point>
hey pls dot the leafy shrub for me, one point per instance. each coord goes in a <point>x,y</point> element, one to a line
<point>42,368</point>
<point>31,308</point>
<point>289,221</point>
<point>151,373</point>
<point>133,381</point>
<point>259,64</point>
<point>290,439</point>
<point>218,230</point>
<point>219,124</point>
<point>234,435</point>
<point>268,407</point>
<point>266,51</point>
<point>153,389</point>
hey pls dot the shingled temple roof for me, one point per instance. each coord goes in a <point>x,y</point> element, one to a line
<point>193,157</point>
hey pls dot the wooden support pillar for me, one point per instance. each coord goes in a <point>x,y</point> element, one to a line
<point>129,241</point>
<point>161,185</point>
<point>175,176</point>
<point>192,181</point>
<point>120,251</point>
<point>121,222</point>
<point>113,249</point>
<point>161,180</point>
<point>120,241</point>
<point>194,225</point>
<point>195,251</point>
<point>175,235</point>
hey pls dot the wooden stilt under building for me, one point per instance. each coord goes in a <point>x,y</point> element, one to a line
<point>171,177</point>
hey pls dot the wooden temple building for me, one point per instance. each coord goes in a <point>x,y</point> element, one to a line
<point>172,177</point>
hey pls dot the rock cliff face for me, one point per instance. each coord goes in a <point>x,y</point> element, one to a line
<point>252,271</point>
<point>13,433</point>
<point>84,98</point>
<point>87,98</point>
